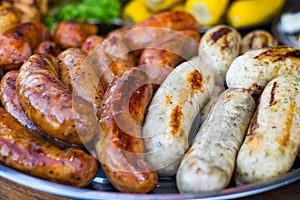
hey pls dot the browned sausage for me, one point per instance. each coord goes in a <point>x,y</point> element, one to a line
<point>110,59</point>
<point>72,33</point>
<point>159,25</point>
<point>119,146</point>
<point>91,42</point>
<point>23,151</point>
<point>17,43</point>
<point>48,47</point>
<point>10,101</point>
<point>168,52</point>
<point>50,105</point>
<point>79,76</point>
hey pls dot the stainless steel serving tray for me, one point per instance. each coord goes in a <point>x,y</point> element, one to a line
<point>100,188</point>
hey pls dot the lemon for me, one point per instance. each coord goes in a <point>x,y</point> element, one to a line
<point>207,12</point>
<point>252,12</point>
<point>136,11</point>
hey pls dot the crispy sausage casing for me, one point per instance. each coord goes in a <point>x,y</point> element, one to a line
<point>272,141</point>
<point>79,76</point>
<point>17,43</point>
<point>119,147</point>
<point>209,163</point>
<point>50,105</point>
<point>23,151</point>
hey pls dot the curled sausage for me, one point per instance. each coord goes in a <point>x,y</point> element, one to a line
<point>119,146</point>
<point>23,151</point>
<point>17,43</point>
<point>91,42</point>
<point>50,105</point>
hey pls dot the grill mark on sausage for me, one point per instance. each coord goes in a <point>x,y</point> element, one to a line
<point>220,33</point>
<point>284,140</point>
<point>272,94</point>
<point>175,120</point>
<point>274,55</point>
<point>196,81</point>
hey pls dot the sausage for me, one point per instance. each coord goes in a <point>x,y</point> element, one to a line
<point>9,17</point>
<point>219,46</point>
<point>257,39</point>
<point>157,26</point>
<point>119,146</point>
<point>72,33</point>
<point>110,59</point>
<point>9,99</point>
<point>164,54</point>
<point>17,43</point>
<point>50,105</point>
<point>171,113</point>
<point>23,151</point>
<point>209,163</point>
<point>10,102</point>
<point>48,47</point>
<point>272,141</point>
<point>79,76</point>
<point>91,42</point>
<point>254,69</point>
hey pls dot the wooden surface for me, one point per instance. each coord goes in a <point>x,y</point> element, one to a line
<point>12,191</point>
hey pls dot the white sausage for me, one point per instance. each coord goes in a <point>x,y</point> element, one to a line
<point>171,113</point>
<point>272,141</point>
<point>209,163</point>
<point>254,69</point>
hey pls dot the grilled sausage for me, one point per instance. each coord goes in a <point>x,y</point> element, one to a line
<point>10,101</point>
<point>254,69</point>
<point>110,59</point>
<point>257,39</point>
<point>50,105</point>
<point>79,76</point>
<point>272,141</point>
<point>17,43</point>
<point>165,54</point>
<point>91,42</point>
<point>119,147</point>
<point>159,25</point>
<point>23,151</point>
<point>210,161</point>
<point>9,17</point>
<point>72,33</point>
<point>219,46</point>
<point>48,47</point>
<point>171,114</point>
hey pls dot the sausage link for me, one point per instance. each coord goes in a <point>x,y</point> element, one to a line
<point>23,151</point>
<point>272,141</point>
<point>91,42</point>
<point>50,105</point>
<point>79,76</point>
<point>48,47</point>
<point>72,33</point>
<point>17,43</point>
<point>171,113</point>
<point>209,163</point>
<point>119,147</point>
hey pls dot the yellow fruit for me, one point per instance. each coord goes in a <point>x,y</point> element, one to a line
<point>252,12</point>
<point>179,7</point>
<point>160,5</point>
<point>136,11</point>
<point>207,12</point>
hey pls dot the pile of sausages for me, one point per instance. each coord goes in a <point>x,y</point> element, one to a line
<point>74,102</point>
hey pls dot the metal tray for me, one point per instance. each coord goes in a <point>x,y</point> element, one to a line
<point>100,188</point>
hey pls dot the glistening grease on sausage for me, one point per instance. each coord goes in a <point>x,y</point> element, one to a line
<point>119,146</point>
<point>50,105</point>
<point>23,151</point>
<point>17,43</point>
